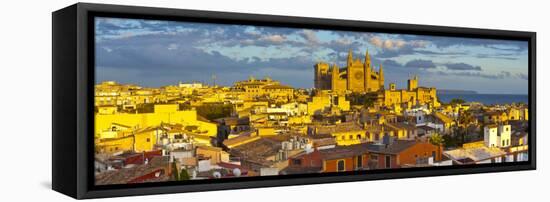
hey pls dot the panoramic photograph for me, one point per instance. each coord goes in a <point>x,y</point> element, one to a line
<point>177,101</point>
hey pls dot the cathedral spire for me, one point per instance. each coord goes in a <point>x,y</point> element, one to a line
<point>381,76</point>
<point>367,59</point>
<point>350,57</point>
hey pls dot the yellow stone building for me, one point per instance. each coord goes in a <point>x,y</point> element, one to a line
<point>141,140</point>
<point>357,76</point>
<point>254,88</point>
<point>411,96</point>
<point>324,100</point>
<point>163,113</point>
<point>126,96</point>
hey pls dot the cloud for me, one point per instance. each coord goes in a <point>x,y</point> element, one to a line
<point>389,43</point>
<point>522,76</point>
<point>419,63</point>
<point>500,75</point>
<point>395,43</point>
<point>391,63</point>
<point>173,46</point>
<point>163,52</point>
<point>310,36</point>
<point>462,66</point>
<point>276,38</point>
<point>498,56</point>
<point>445,42</point>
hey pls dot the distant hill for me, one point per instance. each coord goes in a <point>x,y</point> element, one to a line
<point>455,92</point>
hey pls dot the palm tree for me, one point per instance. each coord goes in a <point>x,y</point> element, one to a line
<point>465,120</point>
<point>436,139</point>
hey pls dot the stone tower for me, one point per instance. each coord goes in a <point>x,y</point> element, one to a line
<point>412,84</point>
<point>335,77</point>
<point>367,71</point>
<point>348,69</point>
<point>381,77</point>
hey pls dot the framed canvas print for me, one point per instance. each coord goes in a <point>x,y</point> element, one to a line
<point>154,100</point>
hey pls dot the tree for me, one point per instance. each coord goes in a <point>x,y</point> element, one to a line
<point>175,170</point>
<point>456,101</point>
<point>465,120</point>
<point>363,99</point>
<point>214,110</point>
<point>181,175</point>
<point>436,139</point>
<point>184,175</point>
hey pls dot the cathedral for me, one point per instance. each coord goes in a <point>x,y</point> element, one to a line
<point>358,76</point>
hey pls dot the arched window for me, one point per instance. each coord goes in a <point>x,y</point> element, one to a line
<point>341,166</point>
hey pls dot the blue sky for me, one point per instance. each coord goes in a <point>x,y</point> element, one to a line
<point>156,53</point>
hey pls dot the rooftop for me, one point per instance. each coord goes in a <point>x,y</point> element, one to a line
<point>475,154</point>
<point>395,147</point>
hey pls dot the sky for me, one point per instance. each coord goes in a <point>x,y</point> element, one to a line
<point>157,53</point>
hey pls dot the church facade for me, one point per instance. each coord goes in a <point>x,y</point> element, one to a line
<point>358,76</point>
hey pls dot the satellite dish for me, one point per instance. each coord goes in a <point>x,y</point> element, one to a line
<point>237,172</point>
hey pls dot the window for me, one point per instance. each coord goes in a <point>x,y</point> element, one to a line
<point>359,136</point>
<point>388,161</point>
<point>297,162</point>
<point>503,142</point>
<point>351,137</point>
<point>148,140</point>
<point>433,155</point>
<point>341,166</point>
<point>360,161</point>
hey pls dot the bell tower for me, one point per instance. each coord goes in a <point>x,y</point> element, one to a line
<point>350,58</point>
<point>335,77</point>
<point>381,77</point>
<point>367,71</point>
<point>349,77</point>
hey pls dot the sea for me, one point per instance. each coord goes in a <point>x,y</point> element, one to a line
<point>486,99</point>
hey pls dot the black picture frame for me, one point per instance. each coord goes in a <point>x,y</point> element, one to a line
<point>73,87</point>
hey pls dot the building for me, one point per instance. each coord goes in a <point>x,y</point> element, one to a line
<point>475,153</point>
<point>326,102</point>
<point>337,159</point>
<point>162,113</point>
<point>399,153</point>
<point>254,88</point>
<point>412,96</point>
<point>497,136</point>
<point>357,76</point>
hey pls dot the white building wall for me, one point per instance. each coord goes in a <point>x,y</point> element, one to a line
<point>490,137</point>
<point>505,132</point>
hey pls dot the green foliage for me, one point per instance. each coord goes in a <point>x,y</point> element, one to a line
<point>437,139</point>
<point>184,175</point>
<point>184,106</point>
<point>214,111</point>
<point>181,175</point>
<point>450,141</point>
<point>145,108</point>
<point>363,99</point>
<point>175,170</point>
<point>456,101</point>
